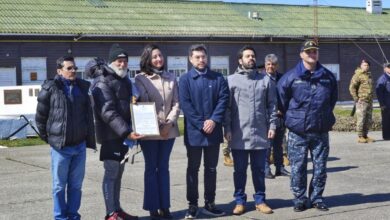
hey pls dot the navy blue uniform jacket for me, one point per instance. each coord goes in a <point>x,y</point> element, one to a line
<point>203,97</point>
<point>308,99</point>
<point>383,90</point>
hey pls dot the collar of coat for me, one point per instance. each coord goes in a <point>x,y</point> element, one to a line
<point>164,74</point>
<point>194,74</point>
<point>275,77</point>
<point>306,74</point>
<point>360,71</point>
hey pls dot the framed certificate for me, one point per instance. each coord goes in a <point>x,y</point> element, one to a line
<point>144,118</point>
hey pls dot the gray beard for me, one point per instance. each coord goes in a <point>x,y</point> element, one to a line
<point>120,72</point>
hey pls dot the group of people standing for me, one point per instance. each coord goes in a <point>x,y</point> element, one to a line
<point>250,110</point>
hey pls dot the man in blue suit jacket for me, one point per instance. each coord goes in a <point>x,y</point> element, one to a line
<point>203,97</point>
<point>383,94</point>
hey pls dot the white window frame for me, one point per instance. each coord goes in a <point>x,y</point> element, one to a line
<point>220,64</point>
<point>33,64</point>
<point>80,62</point>
<point>7,79</point>
<point>334,68</point>
<point>177,65</point>
<point>134,66</point>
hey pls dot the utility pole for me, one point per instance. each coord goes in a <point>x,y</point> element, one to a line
<point>315,20</point>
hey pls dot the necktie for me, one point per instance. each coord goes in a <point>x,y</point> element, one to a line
<point>71,92</point>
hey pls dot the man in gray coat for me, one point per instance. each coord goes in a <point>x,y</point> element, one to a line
<point>249,123</point>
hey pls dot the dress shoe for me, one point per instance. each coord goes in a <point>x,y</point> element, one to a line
<point>264,208</point>
<point>154,215</point>
<point>239,210</point>
<point>362,140</point>
<point>320,206</point>
<point>227,161</point>
<point>165,214</point>
<point>369,140</point>
<point>269,175</point>
<point>126,216</point>
<point>282,172</point>
<point>299,207</point>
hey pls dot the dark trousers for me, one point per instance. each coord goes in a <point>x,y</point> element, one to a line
<point>241,159</point>
<point>276,146</point>
<point>156,178</point>
<point>386,124</point>
<point>210,161</point>
<point>112,179</point>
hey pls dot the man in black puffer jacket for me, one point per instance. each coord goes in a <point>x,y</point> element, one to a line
<point>112,93</point>
<point>64,119</point>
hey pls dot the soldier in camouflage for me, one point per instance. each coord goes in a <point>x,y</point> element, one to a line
<point>361,89</point>
<point>227,160</point>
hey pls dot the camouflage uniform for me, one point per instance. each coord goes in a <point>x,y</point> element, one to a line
<point>298,147</point>
<point>225,148</point>
<point>361,89</point>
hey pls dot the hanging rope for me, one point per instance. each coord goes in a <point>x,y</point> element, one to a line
<point>368,55</point>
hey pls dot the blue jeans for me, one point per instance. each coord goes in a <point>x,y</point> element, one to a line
<point>68,169</point>
<point>210,162</point>
<point>257,158</point>
<point>156,177</point>
<point>298,148</point>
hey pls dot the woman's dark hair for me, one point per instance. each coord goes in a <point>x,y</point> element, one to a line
<point>146,58</point>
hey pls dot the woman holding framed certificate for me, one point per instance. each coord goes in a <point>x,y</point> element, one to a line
<point>158,86</point>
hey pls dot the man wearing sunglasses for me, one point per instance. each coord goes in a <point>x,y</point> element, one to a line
<point>308,94</point>
<point>65,121</point>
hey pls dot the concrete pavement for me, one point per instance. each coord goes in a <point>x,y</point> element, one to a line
<point>358,185</point>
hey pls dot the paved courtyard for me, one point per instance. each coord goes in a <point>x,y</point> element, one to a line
<point>358,185</point>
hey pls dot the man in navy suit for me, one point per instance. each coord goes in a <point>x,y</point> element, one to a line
<point>203,97</point>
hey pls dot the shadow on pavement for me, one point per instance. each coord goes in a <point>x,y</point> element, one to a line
<point>335,169</point>
<point>356,199</point>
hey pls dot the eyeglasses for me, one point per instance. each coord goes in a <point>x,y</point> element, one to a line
<point>69,68</point>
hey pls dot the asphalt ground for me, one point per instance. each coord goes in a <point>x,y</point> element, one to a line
<point>358,185</point>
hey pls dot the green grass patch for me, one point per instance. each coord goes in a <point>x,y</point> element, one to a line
<point>339,111</point>
<point>22,142</point>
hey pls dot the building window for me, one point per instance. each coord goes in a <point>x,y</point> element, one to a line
<point>80,62</point>
<point>334,68</point>
<point>7,76</point>
<point>177,65</point>
<point>33,92</point>
<point>220,64</point>
<point>134,66</point>
<point>33,70</point>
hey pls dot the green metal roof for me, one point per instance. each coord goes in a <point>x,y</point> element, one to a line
<point>151,18</point>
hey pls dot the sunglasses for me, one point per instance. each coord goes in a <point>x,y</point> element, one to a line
<point>69,68</point>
